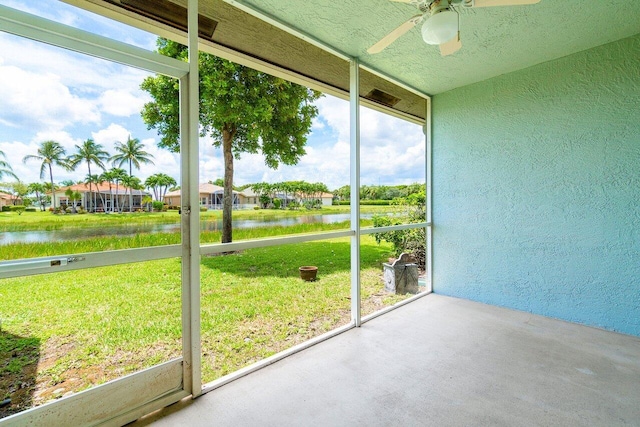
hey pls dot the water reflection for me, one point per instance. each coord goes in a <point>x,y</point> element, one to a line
<point>133,229</point>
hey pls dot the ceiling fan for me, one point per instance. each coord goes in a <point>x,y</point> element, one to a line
<point>441,22</point>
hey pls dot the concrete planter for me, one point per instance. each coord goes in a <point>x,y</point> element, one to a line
<point>401,276</point>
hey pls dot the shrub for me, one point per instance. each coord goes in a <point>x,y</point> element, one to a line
<point>31,209</point>
<point>18,209</point>
<point>158,206</point>
<point>203,209</point>
<point>6,208</point>
<point>277,203</point>
<point>256,208</point>
<point>293,205</point>
<point>411,241</point>
<point>375,202</point>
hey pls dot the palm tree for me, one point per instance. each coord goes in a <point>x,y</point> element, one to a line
<point>5,168</point>
<point>160,183</point>
<point>94,179</point>
<point>89,152</point>
<point>73,196</point>
<point>131,152</point>
<point>117,176</point>
<point>131,183</point>
<point>50,153</point>
<point>39,189</point>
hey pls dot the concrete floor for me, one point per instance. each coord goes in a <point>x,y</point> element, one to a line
<point>438,361</point>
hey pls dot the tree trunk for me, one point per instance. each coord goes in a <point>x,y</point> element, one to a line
<point>130,190</point>
<point>227,199</point>
<point>53,189</point>
<point>90,195</point>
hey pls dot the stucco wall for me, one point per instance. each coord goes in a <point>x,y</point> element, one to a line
<point>536,189</point>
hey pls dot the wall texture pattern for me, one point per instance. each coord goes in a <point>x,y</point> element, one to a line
<point>536,189</point>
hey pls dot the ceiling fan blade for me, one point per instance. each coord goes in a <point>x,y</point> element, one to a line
<point>393,35</point>
<point>491,3</point>
<point>452,46</point>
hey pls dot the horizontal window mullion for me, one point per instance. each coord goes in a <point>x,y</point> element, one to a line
<point>46,31</point>
<point>55,264</point>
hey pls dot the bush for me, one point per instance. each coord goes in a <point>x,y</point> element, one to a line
<point>277,203</point>
<point>411,241</point>
<point>375,202</point>
<point>364,202</point>
<point>6,209</point>
<point>31,209</point>
<point>256,208</point>
<point>18,209</point>
<point>293,205</point>
<point>203,209</point>
<point>158,206</point>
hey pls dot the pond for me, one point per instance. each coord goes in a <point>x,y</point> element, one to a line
<point>133,229</point>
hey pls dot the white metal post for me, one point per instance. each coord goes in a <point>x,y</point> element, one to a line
<point>354,114</point>
<point>189,141</point>
<point>428,214</point>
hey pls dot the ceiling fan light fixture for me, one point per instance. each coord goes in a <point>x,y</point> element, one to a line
<point>441,27</point>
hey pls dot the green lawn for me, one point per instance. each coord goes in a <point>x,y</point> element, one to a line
<point>67,331</point>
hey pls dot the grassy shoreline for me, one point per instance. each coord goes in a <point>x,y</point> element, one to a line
<point>28,221</point>
<point>13,251</point>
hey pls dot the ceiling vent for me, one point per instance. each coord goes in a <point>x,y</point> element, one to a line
<point>382,98</point>
<point>168,13</point>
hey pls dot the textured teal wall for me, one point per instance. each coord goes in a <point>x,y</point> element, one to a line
<point>536,189</point>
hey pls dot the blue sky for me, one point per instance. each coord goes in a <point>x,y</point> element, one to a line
<point>51,93</point>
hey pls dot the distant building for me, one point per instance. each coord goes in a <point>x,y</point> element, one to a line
<point>211,198</point>
<point>102,198</point>
<point>9,200</point>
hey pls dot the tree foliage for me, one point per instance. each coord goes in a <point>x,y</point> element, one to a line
<point>49,153</point>
<point>412,241</point>
<point>5,168</point>
<point>159,183</point>
<point>243,110</point>
<point>89,152</point>
<point>290,194</point>
<point>131,152</point>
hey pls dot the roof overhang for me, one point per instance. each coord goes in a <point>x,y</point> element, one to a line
<point>312,41</point>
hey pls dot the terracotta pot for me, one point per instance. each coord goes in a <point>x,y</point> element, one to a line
<point>308,273</point>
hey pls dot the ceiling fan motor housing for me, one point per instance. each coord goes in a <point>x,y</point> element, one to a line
<point>442,24</point>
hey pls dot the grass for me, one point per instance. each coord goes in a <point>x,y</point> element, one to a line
<point>65,332</point>
<point>98,244</point>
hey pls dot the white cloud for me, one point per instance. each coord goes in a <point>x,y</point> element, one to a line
<point>108,136</point>
<point>40,100</point>
<point>122,103</point>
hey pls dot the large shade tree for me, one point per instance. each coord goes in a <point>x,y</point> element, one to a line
<point>243,110</point>
<point>49,153</point>
<point>131,152</point>
<point>89,152</point>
